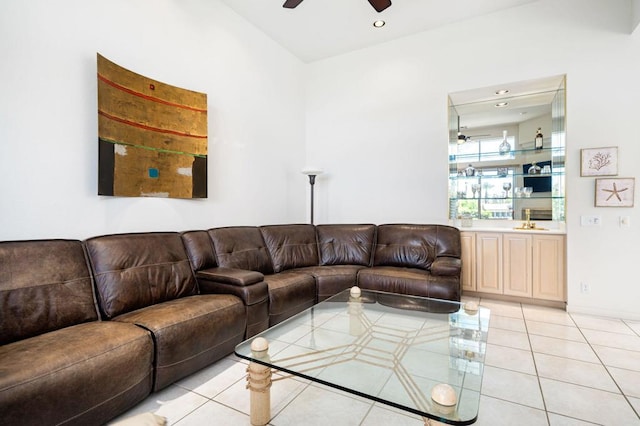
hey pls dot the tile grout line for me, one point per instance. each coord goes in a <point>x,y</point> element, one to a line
<point>522,308</point>
<point>624,395</point>
<point>530,351</point>
<point>535,365</point>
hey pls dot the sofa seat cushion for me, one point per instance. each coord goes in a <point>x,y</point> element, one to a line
<point>331,280</point>
<point>190,333</point>
<point>289,293</point>
<point>83,374</point>
<point>413,281</point>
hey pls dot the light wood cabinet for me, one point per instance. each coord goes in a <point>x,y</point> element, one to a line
<point>514,264</point>
<point>549,267</point>
<point>468,274</point>
<point>489,262</point>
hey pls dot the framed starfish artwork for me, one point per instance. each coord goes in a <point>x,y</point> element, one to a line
<point>615,192</point>
<point>599,161</point>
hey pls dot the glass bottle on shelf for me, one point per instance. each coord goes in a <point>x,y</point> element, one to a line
<point>538,143</point>
<point>505,146</point>
<point>470,171</point>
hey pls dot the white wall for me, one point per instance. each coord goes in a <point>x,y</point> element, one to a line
<point>48,115</point>
<point>377,124</point>
<point>375,120</point>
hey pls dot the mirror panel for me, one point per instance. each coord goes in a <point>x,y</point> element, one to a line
<point>507,151</point>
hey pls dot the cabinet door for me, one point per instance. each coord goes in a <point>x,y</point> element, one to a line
<point>468,243</point>
<point>489,262</point>
<point>548,267</point>
<point>517,265</point>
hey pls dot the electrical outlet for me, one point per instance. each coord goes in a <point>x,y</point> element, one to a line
<point>590,220</point>
<point>584,287</point>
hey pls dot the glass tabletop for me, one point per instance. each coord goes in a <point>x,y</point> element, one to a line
<point>425,356</point>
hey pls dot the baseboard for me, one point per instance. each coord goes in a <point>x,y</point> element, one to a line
<point>600,312</point>
<point>516,299</point>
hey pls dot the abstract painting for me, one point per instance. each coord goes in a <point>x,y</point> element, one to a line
<point>152,136</point>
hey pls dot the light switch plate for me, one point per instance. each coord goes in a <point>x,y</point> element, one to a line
<point>590,220</point>
<point>624,222</point>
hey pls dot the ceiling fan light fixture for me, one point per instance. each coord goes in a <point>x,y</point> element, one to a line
<point>378,5</point>
<point>461,138</point>
<point>379,23</point>
<point>291,4</point>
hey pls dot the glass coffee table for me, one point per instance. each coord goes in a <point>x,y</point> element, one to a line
<point>424,356</point>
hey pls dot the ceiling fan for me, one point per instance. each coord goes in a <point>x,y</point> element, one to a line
<point>466,138</point>
<point>378,5</point>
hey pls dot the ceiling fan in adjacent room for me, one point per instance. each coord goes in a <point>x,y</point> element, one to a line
<point>378,5</point>
<point>466,138</point>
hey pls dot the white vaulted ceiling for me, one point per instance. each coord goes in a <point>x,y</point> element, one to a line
<point>319,29</point>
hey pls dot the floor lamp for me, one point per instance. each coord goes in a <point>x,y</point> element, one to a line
<point>312,173</point>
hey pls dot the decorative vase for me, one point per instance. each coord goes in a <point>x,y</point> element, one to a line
<point>505,146</point>
<point>470,171</point>
<point>534,169</point>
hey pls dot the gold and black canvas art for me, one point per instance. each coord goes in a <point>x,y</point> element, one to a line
<point>152,136</point>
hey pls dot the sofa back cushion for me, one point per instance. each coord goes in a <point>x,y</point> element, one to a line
<point>345,244</point>
<point>415,246</point>
<point>45,285</point>
<point>199,249</point>
<point>133,271</point>
<point>291,246</point>
<point>241,247</point>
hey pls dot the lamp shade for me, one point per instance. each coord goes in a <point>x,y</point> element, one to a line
<point>311,171</point>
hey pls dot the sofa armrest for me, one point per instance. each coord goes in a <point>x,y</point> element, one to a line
<point>237,277</point>
<point>446,266</point>
<point>249,286</point>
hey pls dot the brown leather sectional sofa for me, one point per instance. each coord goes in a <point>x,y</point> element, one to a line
<point>90,328</point>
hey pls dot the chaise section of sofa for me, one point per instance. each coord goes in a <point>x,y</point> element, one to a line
<point>59,364</point>
<point>146,279</point>
<point>419,260</point>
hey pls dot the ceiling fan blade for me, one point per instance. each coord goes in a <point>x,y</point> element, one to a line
<point>380,5</point>
<point>290,4</point>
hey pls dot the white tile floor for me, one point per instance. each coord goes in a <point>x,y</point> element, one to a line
<point>543,367</point>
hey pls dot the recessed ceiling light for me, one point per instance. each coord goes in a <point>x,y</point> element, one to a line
<point>502,91</point>
<point>379,24</point>
<point>501,104</point>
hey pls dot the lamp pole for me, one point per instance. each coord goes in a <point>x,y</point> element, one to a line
<point>312,173</point>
